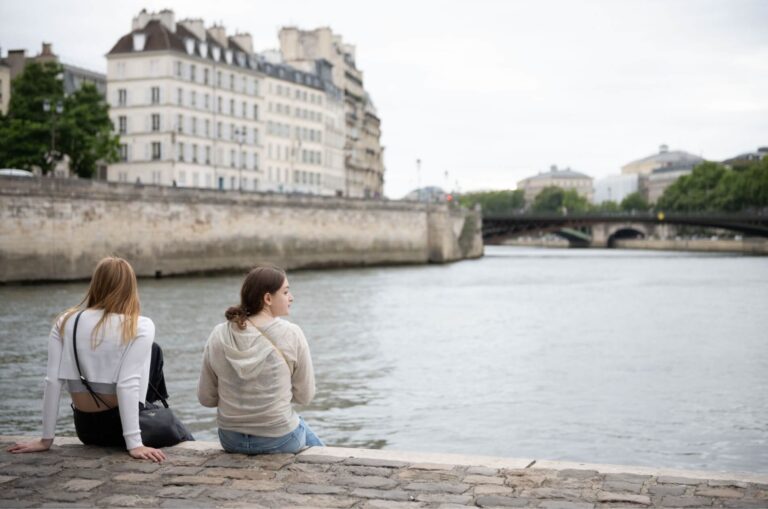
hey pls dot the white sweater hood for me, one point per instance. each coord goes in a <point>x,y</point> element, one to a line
<point>245,350</point>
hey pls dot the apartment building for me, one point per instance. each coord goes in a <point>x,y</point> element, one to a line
<point>567,179</point>
<point>195,107</point>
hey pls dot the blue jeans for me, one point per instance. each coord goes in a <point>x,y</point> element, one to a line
<point>298,439</point>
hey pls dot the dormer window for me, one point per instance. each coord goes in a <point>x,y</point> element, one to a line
<point>203,46</point>
<point>241,59</point>
<point>190,45</point>
<point>139,40</point>
<point>216,53</point>
<point>228,56</point>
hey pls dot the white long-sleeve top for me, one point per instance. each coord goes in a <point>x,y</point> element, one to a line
<point>111,362</point>
<point>250,383</point>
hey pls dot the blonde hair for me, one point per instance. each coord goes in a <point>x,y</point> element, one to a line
<point>113,289</point>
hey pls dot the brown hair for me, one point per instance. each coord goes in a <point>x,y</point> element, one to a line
<point>259,282</point>
<point>115,290</point>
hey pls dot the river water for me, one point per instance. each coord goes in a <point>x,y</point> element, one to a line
<point>604,356</point>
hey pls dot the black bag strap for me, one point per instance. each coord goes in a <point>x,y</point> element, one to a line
<point>162,399</point>
<point>96,397</point>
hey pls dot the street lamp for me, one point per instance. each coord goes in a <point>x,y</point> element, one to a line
<point>54,110</point>
<point>240,137</point>
<point>418,179</point>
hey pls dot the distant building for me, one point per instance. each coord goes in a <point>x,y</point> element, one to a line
<point>565,179</point>
<point>746,158</point>
<point>615,188</point>
<point>5,87</point>
<point>73,77</point>
<point>663,159</point>
<point>364,155</point>
<point>427,194</point>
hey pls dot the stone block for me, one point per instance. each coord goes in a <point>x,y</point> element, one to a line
<point>672,501</point>
<point>318,458</point>
<point>482,471</point>
<point>718,484</point>
<point>667,489</point>
<point>366,481</point>
<point>437,487</point>
<point>629,478</point>
<point>87,464</point>
<point>180,460</point>
<point>308,467</point>
<point>181,480</point>
<point>567,493</point>
<point>428,475</point>
<point>240,473</point>
<point>483,479</point>
<point>577,474</point>
<point>444,498</point>
<point>226,494</point>
<point>431,466</point>
<point>492,489</point>
<point>81,484</point>
<point>187,503</point>
<point>181,492</point>
<point>669,479</point>
<point>21,504</point>
<point>86,473</point>
<point>355,470</point>
<point>498,501</point>
<point>315,489</point>
<point>179,470</point>
<point>256,485</point>
<point>565,504</point>
<point>615,486</point>
<point>722,492</point>
<point>29,470</point>
<point>64,496</point>
<point>133,477</point>
<point>383,494</point>
<point>607,496</point>
<point>371,462</point>
<point>390,504</point>
<point>129,501</point>
<point>143,467</point>
<point>7,478</point>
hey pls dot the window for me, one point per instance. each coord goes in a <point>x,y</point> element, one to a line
<point>123,152</point>
<point>231,81</point>
<point>207,155</point>
<point>155,95</point>
<point>206,102</point>
<point>206,76</point>
<point>207,128</point>
<point>218,130</point>
<point>218,79</point>
<point>178,69</point>
<point>232,132</point>
<point>122,122</point>
<point>194,125</point>
<point>181,151</point>
<point>245,109</point>
<point>194,153</point>
<point>218,105</point>
<point>122,97</point>
<point>180,123</point>
<point>242,159</point>
<point>255,111</point>
<point>255,136</point>
<point>255,87</point>
<point>193,98</point>
<point>156,152</point>
<point>193,72</point>
<point>232,159</point>
<point>232,107</point>
<point>179,97</point>
<point>155,121</point>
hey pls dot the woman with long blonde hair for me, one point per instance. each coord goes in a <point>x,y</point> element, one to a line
<point>104,351</point>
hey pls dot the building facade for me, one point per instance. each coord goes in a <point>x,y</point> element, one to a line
<point>566,179</point>
<point>616,187</point>
<point>195,107</point>
<point>659,171</point>
<point>363,153</point>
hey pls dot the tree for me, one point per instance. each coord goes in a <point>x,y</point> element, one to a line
<point>607,206</point>
<point>555,199</point>
<point>82,131</point>
<point>25,133</point>
<point>634,201</point>
<point>495,202</point>
<point>88,132</point>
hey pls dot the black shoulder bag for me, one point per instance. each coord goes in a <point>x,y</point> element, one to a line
<point>159,425</point>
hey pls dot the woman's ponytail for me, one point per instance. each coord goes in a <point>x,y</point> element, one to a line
<point>238,315</point>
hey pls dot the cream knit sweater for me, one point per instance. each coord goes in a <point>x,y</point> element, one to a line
<point>249,381</point>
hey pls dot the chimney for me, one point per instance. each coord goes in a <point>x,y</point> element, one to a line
<point>195,26</point>
<point>663,149</point>
<point>166,17</point>
<point>245,41</point>
<point>47,51</point>
<point>219,34</point>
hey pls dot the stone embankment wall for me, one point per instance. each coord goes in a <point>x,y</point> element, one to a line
<point>57,229</point>
<point>756,246</point>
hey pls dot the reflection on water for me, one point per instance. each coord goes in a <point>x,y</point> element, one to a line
<point>601,356</point>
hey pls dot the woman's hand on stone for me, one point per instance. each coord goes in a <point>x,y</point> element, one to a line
<point>147,453</point>
<point>40,445</point>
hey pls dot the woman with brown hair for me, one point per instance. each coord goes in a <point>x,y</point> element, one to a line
<point>105,353</point>
<point>255,365</point>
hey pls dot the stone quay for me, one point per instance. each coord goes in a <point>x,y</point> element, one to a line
<point>201,474</point>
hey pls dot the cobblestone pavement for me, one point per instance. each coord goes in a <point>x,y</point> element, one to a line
<point>200,474</point>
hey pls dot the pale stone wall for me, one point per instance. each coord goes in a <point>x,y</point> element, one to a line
<point>53,229</point>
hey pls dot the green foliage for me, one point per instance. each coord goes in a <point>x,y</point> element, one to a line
<point>495,203</point>
<point>713,187</point>
<point>83,131</point>
<point>555,199</point>
<point>88,131</point>
<point>607,206</point>
<point>634,201</point>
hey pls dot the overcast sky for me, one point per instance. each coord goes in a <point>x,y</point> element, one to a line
<point>494,91</point>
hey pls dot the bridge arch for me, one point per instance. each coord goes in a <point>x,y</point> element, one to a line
<point>625,232</point>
